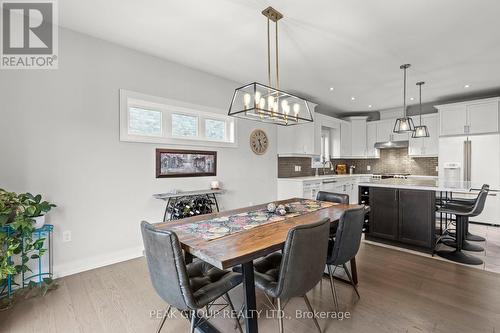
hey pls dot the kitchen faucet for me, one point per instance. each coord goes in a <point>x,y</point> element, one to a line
<point>325,163</point>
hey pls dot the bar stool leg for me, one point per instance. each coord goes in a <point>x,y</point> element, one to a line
<point>471,237</point>
<point>458,255</point>
<point>465,244</point>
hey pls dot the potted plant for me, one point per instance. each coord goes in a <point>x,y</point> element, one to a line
<point>9,206</point>
<point>35,208</point>
<point>18,221</point>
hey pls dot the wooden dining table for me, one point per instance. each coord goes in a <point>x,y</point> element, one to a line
<point>240,249</point>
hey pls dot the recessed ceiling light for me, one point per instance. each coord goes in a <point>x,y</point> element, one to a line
<point>353,98</point>
<point>411,98</point>
<point>467,86</point>
<point>370,106</point>
<point>331,88</point>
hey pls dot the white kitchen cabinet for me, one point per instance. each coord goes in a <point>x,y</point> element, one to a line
<point>482,117</point>
<point>358,136</point>
<point>385,131</point>
<point>453,120</point>
<point>303,139</point>
<point>469,118</point>
<point>309,186</point>
<point>345,139</point>
<point>426,146</point>
<point>371,139</point>
<point>299,140</point>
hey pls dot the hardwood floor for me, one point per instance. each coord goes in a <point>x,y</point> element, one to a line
<point>401,292</point>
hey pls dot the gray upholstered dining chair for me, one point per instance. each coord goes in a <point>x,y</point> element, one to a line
<point>336,198</point>
<point>345,246</point>
<point>298,269</point>
<point>333,197</point>
<point>187,288</point>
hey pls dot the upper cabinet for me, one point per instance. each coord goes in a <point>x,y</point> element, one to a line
<point>345,139</point>
<point>371,139</point>
<point>426,146</point>
<point>384,130</point>
<point>482,117</point>
<point>358,133</point>
<point>469,118</point>
<point>303,139</point>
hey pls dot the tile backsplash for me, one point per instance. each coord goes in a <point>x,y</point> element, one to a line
<point>390,161</point>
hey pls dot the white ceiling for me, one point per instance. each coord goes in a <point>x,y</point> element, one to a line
<point>355,46</point>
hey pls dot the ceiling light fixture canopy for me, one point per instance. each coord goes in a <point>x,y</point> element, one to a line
<point>404,124</point>
<point>421,131</point>
<point>267,103</point>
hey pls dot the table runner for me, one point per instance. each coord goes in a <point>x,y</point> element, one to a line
<point>226,225</point>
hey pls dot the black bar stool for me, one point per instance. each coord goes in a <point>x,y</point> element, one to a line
<point>470,202</point>
<point>462,213</point>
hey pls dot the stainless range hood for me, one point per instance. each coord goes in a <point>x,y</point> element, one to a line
<point>392,144</point>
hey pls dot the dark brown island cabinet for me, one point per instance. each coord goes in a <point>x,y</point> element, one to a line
<point>400,217</point>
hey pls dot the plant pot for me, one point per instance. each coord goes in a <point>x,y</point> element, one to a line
<point>39,221</point>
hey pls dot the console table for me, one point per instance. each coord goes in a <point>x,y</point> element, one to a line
<point>172,198</point>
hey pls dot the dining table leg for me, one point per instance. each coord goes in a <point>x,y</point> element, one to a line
<point>251,325</point>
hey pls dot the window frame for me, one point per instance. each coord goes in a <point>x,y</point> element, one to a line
<point>168,107</point>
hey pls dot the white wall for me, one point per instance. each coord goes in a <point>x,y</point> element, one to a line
<point>59,137</point>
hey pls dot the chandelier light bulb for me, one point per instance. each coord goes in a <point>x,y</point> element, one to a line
<point>246,100</point>
<point>262,103</point>
<point>284,104</point>
<point>270,101</point>
<point>275,106</point>
<point>296,109</point>
<point>286,109</point>
<point>257,97</point>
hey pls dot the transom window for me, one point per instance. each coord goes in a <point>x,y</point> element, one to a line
<point>144,122</point>
<point>184,125</point>
<point>146,118</point>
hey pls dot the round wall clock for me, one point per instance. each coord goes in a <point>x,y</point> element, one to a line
<point>259,141</point>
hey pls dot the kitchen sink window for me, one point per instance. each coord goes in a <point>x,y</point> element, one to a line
<point>145,118</point>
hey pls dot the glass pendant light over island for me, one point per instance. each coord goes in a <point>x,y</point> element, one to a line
<point>421,131</point>
<point>265,103</point>
<point>404,124</point>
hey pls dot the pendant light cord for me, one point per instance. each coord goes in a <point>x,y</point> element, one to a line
<point>268,53</point>
<point>277,60</point>
<point>420,101</point>
<point>404,92</point>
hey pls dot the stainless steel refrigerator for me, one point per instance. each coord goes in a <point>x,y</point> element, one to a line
<point>475,159</point>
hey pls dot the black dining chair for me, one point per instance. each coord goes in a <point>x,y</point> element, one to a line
<point>336,198</point>
<point>298,269</point>
<point>333,197</point>
<point>345,246</point>
<point>187,288</point>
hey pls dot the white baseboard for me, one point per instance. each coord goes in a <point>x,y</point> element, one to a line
<point>97,261</point>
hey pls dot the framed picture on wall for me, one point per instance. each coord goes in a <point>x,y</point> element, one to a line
<point>185,163</point>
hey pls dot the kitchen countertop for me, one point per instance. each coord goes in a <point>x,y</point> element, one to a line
<point>437,185</point>
<point>323,177</point>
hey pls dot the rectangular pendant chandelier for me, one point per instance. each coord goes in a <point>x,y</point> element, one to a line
<point>256,101</point>
<point>264,103</point>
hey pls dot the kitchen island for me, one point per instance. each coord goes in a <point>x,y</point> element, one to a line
<point>403,211</point>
